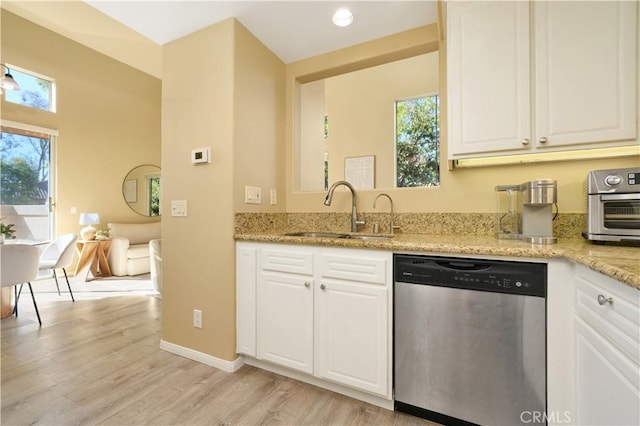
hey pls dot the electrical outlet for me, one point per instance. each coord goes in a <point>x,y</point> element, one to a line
<point>274,197</point>
<point>197,318</point>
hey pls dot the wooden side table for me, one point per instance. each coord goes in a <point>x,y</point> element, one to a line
<point>6,302</point>
<point>92,257</point>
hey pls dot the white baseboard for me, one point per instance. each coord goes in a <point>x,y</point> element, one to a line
<point>325,384</point>
<point>222,364</point>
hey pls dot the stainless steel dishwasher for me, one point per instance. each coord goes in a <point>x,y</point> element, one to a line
<point>470,340</point>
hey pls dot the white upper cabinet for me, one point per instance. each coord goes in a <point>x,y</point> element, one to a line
<point>585,71</point>
<point>488,76</point>
<point>578,59</point>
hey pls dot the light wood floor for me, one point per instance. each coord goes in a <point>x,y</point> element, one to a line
<point>98,362</point>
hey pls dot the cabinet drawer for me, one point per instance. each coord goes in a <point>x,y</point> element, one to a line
<point>295,262</point>
<point>617,320</point>
<point>370,269</point>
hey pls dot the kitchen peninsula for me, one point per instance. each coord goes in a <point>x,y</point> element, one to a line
<point>616,261</point>
<point>332,285</point>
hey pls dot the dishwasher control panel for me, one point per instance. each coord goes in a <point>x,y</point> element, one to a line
<point>525,278</point>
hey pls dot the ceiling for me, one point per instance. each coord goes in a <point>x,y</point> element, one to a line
<point>293,30</point>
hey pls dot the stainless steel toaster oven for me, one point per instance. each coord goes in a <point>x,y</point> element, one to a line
<point>613,205</point>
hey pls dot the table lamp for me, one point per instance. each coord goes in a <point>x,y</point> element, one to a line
<point>89,232</point>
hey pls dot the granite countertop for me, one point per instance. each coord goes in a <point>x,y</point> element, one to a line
<point>618,262</point>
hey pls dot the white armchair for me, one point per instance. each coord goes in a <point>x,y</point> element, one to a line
<point>129,254</point>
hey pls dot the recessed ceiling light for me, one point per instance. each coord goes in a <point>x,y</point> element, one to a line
<point>342,17</point>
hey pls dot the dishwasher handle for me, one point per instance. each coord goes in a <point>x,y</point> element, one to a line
<point>458,265</point>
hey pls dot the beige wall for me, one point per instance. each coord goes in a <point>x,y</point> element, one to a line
<point>80,22</point>
<point>359,106</point>
<point>108,118</point>
<point>361,116</point>
<point>311,145</point>
<point>224,90</point>
<point>258,115</point>
<point>461,190</point>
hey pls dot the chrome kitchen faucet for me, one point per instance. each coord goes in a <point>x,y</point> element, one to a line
<point>392,225</point>
<point>354,214</point>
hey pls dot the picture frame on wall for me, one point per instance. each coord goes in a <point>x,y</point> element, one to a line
<point>360,171</point>
<point>130,190</point>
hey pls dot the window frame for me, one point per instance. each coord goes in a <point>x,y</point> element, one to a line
<point>395,135</point>
<point>52,91</point>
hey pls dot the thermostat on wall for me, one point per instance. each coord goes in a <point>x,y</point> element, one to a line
<point>200,155</point>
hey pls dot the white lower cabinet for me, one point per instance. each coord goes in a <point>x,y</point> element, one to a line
<point>321,311</point>
<point>285,307</point>
<point>285,320</point>
<point>246,258</point>
<point>352,322</point>
<point>326,314</point>
<point>607,351</point>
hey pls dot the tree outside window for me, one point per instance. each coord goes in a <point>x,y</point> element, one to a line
<point>154,199</point>
<point>24,169</point>
<point>35,92</point>
<point>24,158</point>
<point>418,142</point>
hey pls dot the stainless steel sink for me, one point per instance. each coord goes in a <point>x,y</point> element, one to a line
<point>369,237</point>
<point>317,234</point>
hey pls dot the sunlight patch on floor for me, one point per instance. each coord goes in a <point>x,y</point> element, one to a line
<point>46,292</point>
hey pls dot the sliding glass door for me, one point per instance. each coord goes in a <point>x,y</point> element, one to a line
<point>26,182</point>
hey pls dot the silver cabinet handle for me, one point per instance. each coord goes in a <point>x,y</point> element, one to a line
<point>543,140</point>
<point>307,284</point>
<point>602,300</point>
<point>525,141</point>
<point>323,287</point>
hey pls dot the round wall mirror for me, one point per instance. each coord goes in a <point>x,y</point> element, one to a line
<point>141,190</point>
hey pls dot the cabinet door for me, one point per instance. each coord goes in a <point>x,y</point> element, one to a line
<point>607,350</point>
<point>607,382</point>
<point>488,76</point>
<point>285,320</point>
<point>246,276</point>
<point>585,71</point>
<point>352,331</point>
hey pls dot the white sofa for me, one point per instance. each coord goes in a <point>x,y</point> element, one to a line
<point>129,254</point>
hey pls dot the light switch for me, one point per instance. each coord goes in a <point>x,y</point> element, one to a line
<point>179,208</point>
<point>252,195</point>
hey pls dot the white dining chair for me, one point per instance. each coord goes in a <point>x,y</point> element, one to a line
<point>59,255</point>
<point>19,265</point>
